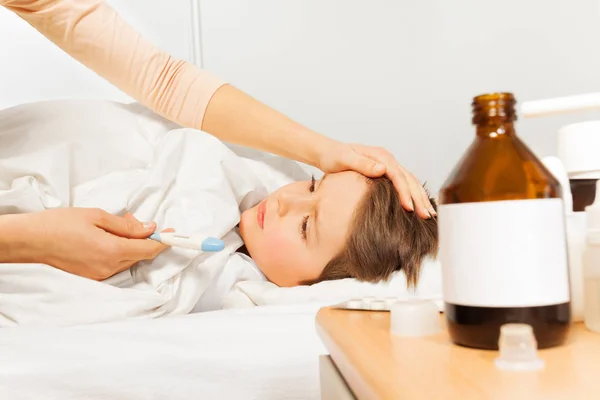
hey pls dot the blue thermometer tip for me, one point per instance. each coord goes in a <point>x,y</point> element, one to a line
<point>212,244</point>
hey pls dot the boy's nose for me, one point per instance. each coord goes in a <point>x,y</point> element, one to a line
<point>293,203</point>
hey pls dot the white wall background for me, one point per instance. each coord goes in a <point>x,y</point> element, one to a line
<point>396,73</point>
<point>33,69</point>
<point>402,73</point>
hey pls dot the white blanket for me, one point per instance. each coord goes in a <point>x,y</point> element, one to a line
<point>267,353</point>
<point>123,158</point>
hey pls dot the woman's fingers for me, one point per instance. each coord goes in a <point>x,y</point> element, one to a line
<point>133,218</point>
<point>403,188</point>
<point>418,194</point>
<point>427,202</point>
<point>365,165</point>
<point>392,170</point>
<point>421,204</point>
<point>344,157</point>
<point>131,241</point>
<point>123,227</point>
<point>147,250</point>
<point>135,250</point>
<point>412,194</point>
<point>374,162</point>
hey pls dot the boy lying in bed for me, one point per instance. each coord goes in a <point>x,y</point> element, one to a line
<point>342,226</point>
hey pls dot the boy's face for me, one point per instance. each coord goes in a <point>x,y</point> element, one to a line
<point>297,230</point>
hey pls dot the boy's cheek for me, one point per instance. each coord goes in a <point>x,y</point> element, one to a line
<point>246,221</point>
<point>279,249</point>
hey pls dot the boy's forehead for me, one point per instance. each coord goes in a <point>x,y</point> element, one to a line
<point>341,194</point>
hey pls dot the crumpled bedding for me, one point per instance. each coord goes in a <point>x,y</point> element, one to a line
<point>123,158</point>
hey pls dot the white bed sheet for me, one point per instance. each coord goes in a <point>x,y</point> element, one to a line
<point>258,353</point>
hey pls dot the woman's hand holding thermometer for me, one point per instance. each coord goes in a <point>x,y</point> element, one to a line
<point>194,242</point>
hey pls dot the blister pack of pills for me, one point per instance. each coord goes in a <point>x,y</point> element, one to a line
<point>369,303</point>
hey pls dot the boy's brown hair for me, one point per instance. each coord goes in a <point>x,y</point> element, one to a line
<point>384,238</point>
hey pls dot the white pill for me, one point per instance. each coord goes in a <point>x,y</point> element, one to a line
<point>354,304</point>
<point>378,305</point>
<point>366,302</point>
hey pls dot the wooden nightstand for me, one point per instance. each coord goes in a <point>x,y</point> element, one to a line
<point>366,362</point>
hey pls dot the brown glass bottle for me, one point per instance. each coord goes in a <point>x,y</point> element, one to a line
<point>502,239</point>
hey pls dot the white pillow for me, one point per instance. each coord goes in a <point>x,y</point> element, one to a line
<point>331,292</point>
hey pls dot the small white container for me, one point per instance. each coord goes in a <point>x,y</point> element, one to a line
<point>576,229</point>
<point>578,149</point>
<point>579,152</point>
<point>576,232</point>
<point>591,266</point>
<point>518,349</point>
<point>415,318</point>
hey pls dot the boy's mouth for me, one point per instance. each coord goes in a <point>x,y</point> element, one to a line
<point>261,212</point>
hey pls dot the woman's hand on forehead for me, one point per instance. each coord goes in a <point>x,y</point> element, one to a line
<point>375,162</point>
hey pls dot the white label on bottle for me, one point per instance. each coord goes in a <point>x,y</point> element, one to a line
<point>504,253</point>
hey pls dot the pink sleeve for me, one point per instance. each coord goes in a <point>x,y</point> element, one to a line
<point>94,34</point>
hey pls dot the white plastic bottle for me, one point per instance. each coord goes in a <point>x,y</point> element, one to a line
<point>576,230</point>
<point>591,266</point>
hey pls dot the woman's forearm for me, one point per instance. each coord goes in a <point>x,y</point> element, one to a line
<point>235,117</point>
<point>15,245</point>
<point>94,34</point>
